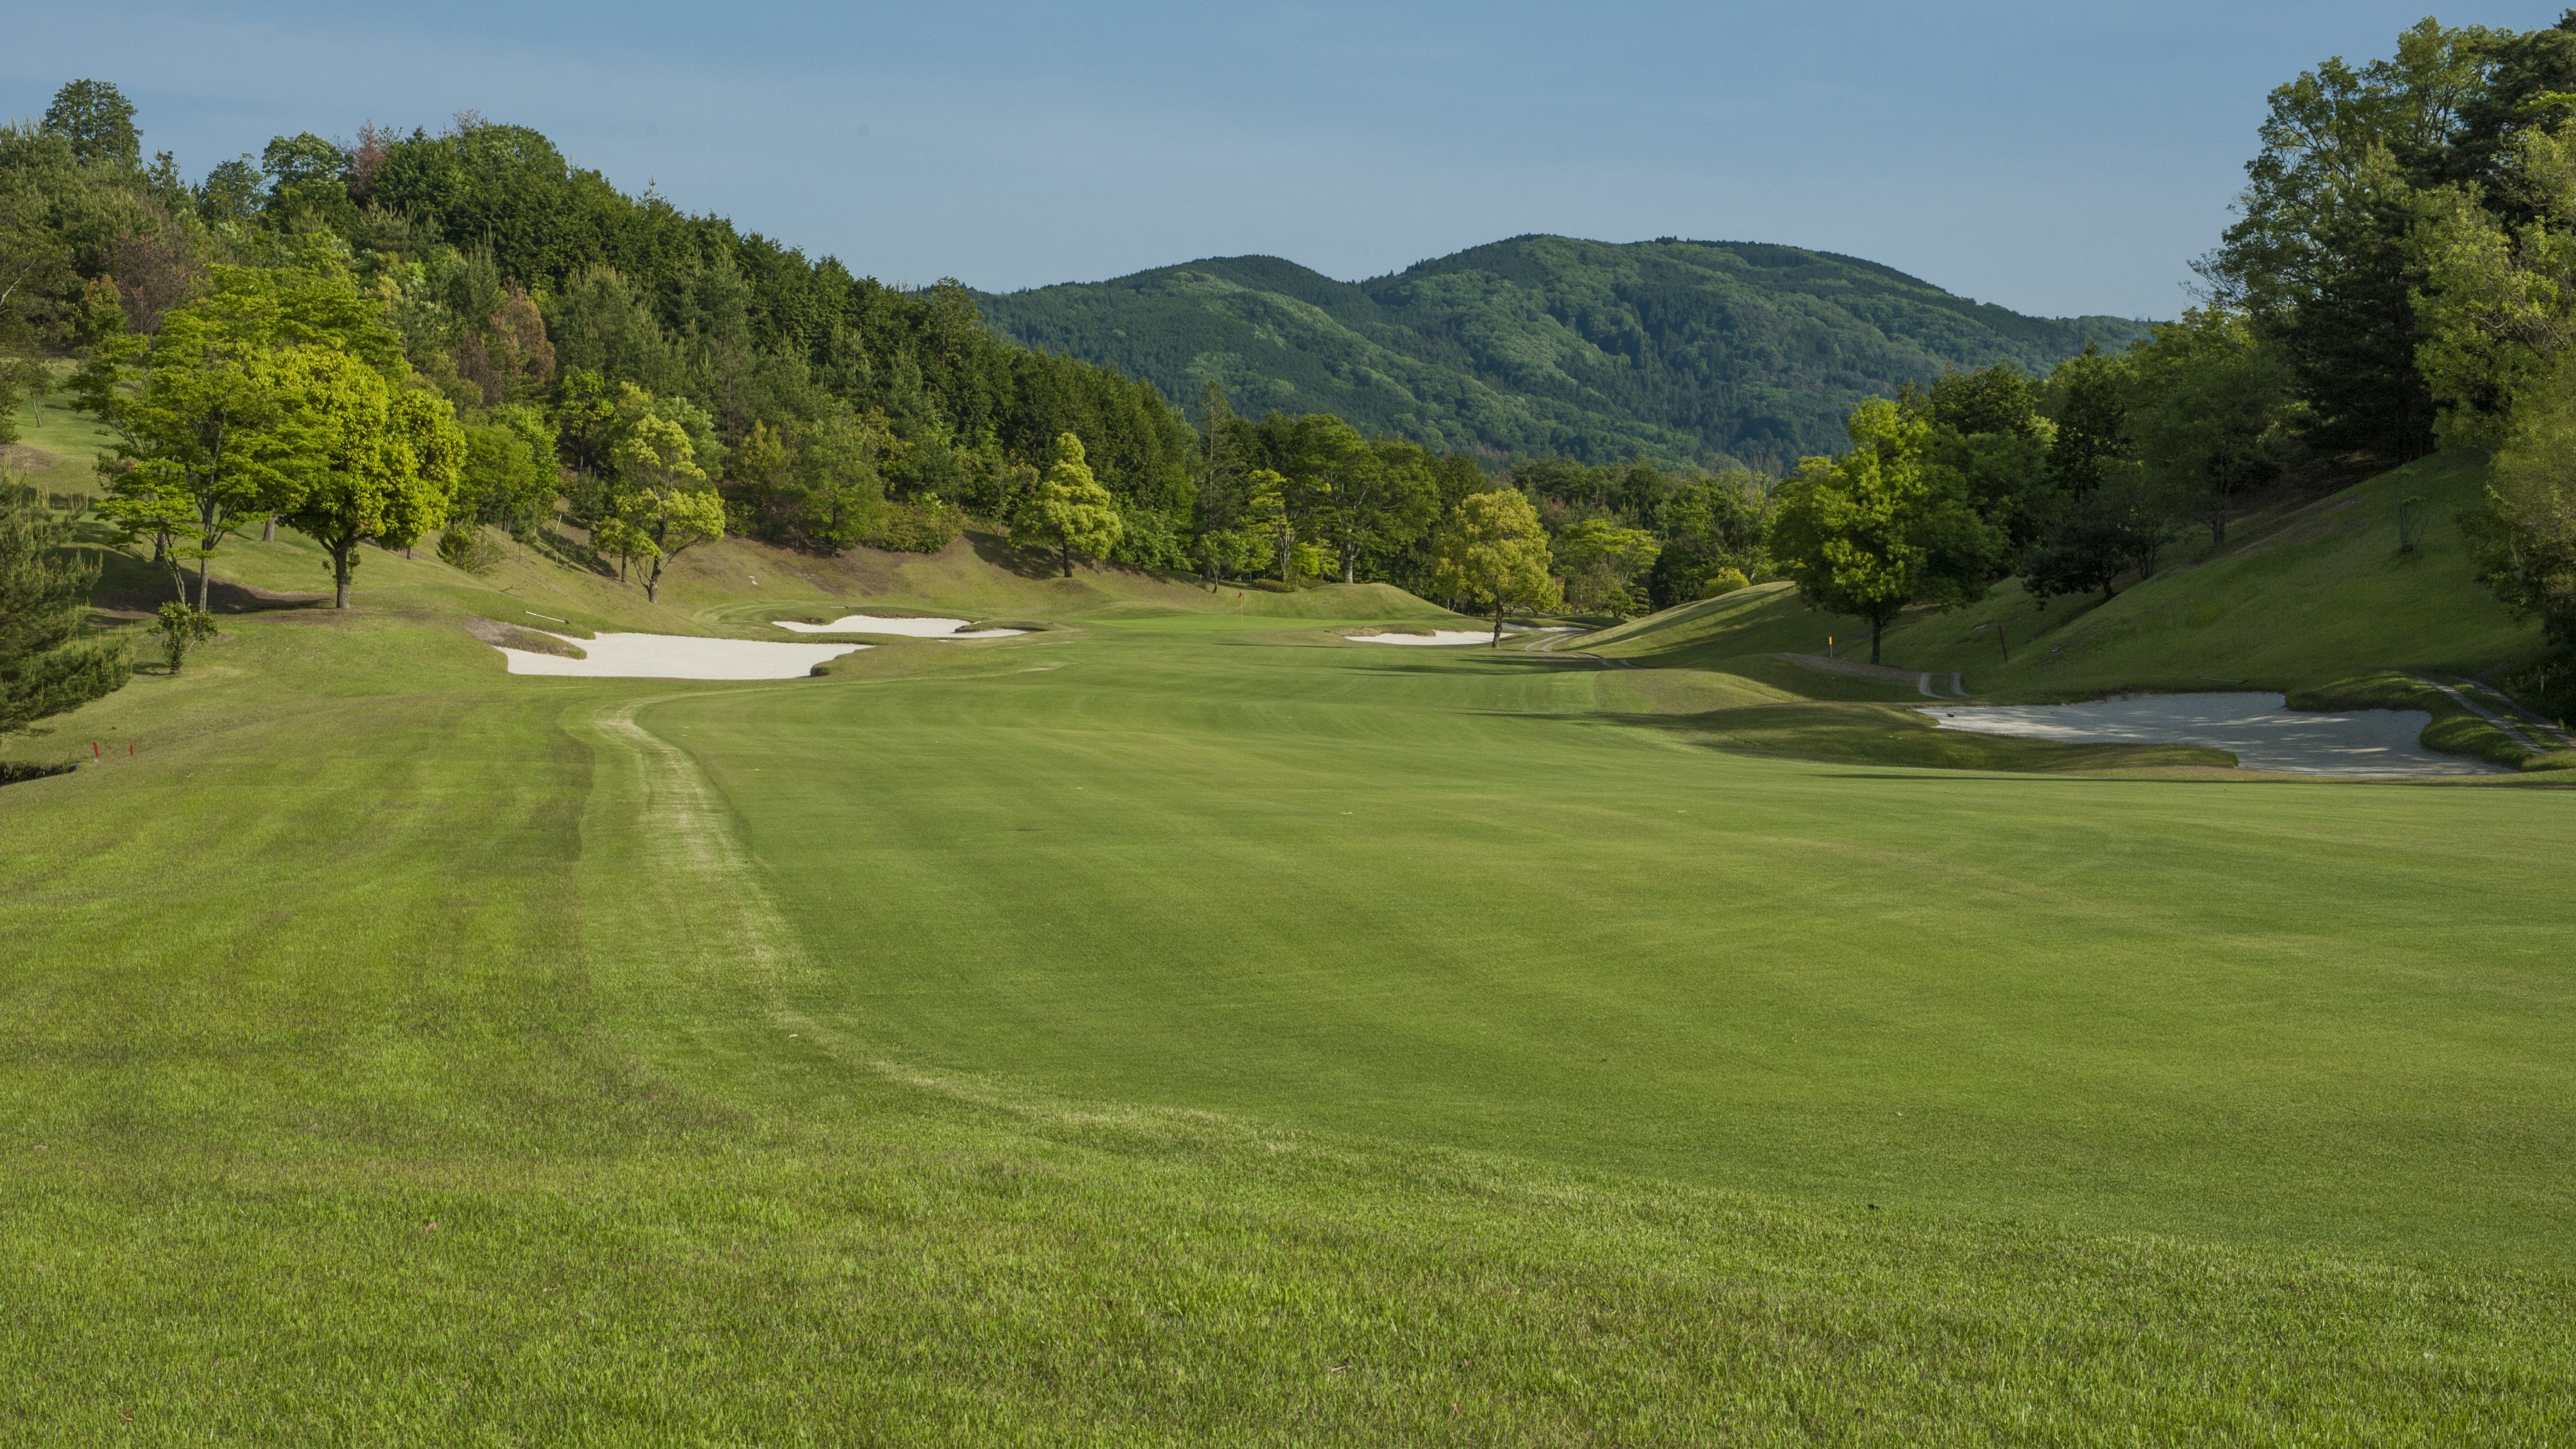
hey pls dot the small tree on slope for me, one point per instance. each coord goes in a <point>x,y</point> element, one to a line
<point>1069,510</point>
<point>374,465</point>
<point>43,595</point>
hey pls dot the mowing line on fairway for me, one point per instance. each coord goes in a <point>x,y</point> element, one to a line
<point>687,835</point>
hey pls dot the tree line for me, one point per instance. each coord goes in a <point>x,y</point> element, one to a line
<point>461,332</point>
<point>2406,244</point>
<point>2401,279</point>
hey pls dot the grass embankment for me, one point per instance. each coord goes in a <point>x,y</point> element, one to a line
<point>1190,1026</point>
<point>2314,600</point>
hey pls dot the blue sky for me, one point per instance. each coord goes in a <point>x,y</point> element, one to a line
<point>2056,158</point>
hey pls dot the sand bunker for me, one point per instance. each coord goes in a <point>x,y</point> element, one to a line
<point>1442,636</point>
<point>677,656</point>
<point>909,628</point>
<point>2255,727</point>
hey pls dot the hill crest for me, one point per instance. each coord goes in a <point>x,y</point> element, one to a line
<point>1687,352</point>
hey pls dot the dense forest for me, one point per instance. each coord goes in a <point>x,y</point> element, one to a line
<point>1690,353</point>
<point>829,409</point>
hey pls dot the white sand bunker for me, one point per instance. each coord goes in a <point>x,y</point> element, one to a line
<point>1444,636</point>
<point>909,628</point>
<point>677,656</point>
<point>2255,727</point>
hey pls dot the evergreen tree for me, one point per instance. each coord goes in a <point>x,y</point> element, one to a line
<point>44,596</point>
<point>1069,511</point>
<point>98,121</point>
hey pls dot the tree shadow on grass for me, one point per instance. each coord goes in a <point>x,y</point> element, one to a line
<point>1857,733</point>
<point>133,588</point>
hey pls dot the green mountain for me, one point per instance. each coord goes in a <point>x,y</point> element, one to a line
<point>1687,352</point>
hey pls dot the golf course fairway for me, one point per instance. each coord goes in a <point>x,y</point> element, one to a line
<point>1189,1027</point>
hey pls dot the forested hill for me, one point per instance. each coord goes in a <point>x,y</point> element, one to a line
<point>1688,352</point>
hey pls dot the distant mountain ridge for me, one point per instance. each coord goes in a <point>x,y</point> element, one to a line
<point>1683,351</point>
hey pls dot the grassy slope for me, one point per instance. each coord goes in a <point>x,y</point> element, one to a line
<point>2313,600</point>
<point>2299,598</point>
<point>1017,1041</point>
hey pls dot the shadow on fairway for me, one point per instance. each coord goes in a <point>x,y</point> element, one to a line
<point>1858,733</point>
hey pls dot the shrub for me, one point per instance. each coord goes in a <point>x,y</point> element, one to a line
<point>1724,581</point>
<point>469,548</point>
<point>915,528</point>
<point>182,627</point>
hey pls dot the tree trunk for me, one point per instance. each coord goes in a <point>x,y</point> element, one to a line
<point>653,584</point>
<point>202,586</point>
<point>340,571</point>
<point>1066,553</point>
<point>268,530</point>
<point>1350,564</point>
<point>1877,630</point>
<point>1498,626</point>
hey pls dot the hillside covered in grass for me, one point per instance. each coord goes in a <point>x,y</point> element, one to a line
<point>1684,352</point>
<point>2304,592</point>
<point>2314,599</point>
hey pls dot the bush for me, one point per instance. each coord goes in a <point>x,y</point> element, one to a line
<point>1724,581</point>
<point>915,528</point>
<point>469,548</point>
<point>182,628</point>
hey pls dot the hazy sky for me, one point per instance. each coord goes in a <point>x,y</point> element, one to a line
<point>2057,158</point>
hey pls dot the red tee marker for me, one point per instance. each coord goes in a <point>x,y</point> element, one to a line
<point>93,749</point>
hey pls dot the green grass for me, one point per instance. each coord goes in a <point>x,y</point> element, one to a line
<point>2314,600</point>
<point>1184,1025</point>
<point>57,449</point>
<point>2302,595</point>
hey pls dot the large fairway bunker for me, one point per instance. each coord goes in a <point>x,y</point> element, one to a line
<point>2257,728</point>
<point>1449,636</point>
<point>678,656</point>
<point>909,628</point>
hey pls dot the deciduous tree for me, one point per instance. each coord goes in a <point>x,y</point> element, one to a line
<point>1604,564</point>
<point>371,464</point>
<point>2524,540</point>
<point>2210,409</point>
<point>1869,533</point>
<point>666,503</point>
<point>1493,549</point>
